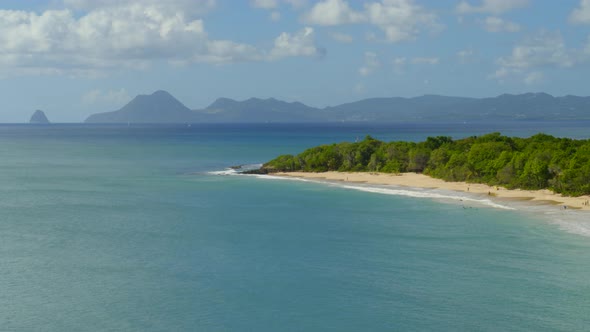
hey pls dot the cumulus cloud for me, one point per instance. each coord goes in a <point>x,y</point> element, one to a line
<point>187,7</point>
<point>371,64</point>
<point>266,4</point>
<point>497,24</point>
<point>581,15</point>
<point>398,19</point>
<point>333,12</point>
<point>298,44</point>
<point>116,36</point>
<point>544,50</point>
<point>495,7</point>
<point>102,38</point>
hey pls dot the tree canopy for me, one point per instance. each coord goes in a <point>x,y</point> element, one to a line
<point>538,162</point>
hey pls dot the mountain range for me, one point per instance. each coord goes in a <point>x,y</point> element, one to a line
<point>162,107</point>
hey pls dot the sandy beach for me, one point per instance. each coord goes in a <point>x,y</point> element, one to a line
<point>423,181</point>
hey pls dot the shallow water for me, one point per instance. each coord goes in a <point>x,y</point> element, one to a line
<point>116,228</point>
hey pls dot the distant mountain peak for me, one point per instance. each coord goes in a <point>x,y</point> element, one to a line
<point>222,103</point>
<point>39,117</point>
<point>159,107</point>
<point>162,93</point>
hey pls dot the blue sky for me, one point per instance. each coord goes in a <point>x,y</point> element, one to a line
<point>72,58</point>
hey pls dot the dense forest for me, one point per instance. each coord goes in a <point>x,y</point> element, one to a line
<point>538,162</point>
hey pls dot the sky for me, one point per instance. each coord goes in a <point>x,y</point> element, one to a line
<point>73,58</point>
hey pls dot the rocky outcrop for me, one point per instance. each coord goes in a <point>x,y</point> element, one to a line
<point>39,118</point>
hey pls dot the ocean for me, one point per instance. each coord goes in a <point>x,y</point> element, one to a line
<point>145,228</point>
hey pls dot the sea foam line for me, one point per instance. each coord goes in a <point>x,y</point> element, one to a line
<point>427,194</point>
<point>416,192</point>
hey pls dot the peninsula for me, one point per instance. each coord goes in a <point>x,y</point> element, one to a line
<point>538,168</point>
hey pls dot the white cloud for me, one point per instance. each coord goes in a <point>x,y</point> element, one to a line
<point>298,44</point>
<point>533,77</point>
<point>333,12</point>
<point>266,4</point>
<point>342,37</point>
<point>497,24</point>
<point>275,16</point>
<point>546,50</point>
<point>581,15</point>
<point>400,63</point>
<point>57,42</point>
<point>399,19</point>
<point>226,51</point>
<point>103,38</point>
<point>273,4</point>
<point>111,97</point>
<point>297,3</point>
<point>371,64</point>
<point>495,7</point>
<point>465,55</point>
<point>187,7</point>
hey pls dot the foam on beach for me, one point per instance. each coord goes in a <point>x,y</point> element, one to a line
<point>570,220</point>
<point>382,189</point>
<point>574,222</point>
<point>227,171</point>
<point>432,194</point>
<point>236,170</point>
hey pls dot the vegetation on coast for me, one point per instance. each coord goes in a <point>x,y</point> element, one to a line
<point>538,162</point>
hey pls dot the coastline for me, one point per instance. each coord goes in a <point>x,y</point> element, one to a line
<point>415,180</point>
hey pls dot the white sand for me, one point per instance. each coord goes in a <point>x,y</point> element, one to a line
<point>423,181</point>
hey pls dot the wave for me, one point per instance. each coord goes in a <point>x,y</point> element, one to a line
<point>573,222</point>
<point>432,194</point>
<point>227,171</point>
<point>236,170</point>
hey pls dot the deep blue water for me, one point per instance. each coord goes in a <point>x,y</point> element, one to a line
<point>127,229</point>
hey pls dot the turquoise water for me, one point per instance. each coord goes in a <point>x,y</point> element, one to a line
<point>108,228</point>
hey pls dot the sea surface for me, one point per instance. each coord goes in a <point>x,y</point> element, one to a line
<point>144,228</point>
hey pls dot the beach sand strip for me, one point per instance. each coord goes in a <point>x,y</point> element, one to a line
<point>415,180</point>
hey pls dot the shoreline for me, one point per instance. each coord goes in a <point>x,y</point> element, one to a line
<point>415,180</point>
